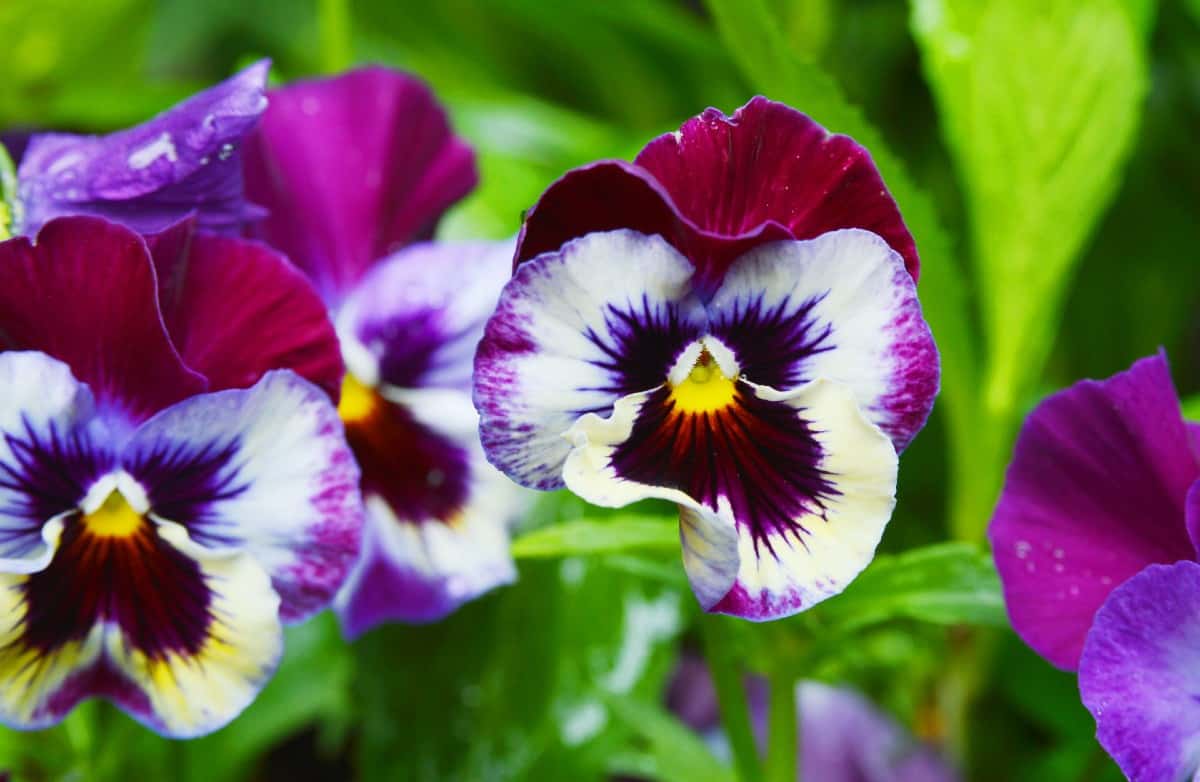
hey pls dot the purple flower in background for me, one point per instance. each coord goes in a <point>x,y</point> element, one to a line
<point>184,161</point>
<point>843,737</point>
<point>1095,537</point>
<point>352,169</point>
<point>153,536</point>
<point>762,383</point>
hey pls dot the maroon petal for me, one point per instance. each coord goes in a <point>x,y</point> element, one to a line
<point>1095,493</point>
<point>242,310</point>
<point>352,168</point>
<point>721,186</point>
<point>86,294</point>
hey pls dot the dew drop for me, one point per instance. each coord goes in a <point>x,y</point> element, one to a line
<point>225,151</point>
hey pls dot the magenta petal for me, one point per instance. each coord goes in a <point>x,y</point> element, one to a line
<point>185,160</point>
<point>1192,514</point>
<point>1094,494</point>
<point>351,168</point>
<point>242,310</point>
<point>85,293</point>
<point>1139,675</point>
<point>771,163</point>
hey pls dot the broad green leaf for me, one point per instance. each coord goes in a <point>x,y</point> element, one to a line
<point>1040,101</point>
<point>674,753</point>
<point>585,536</point>
<point>752,36</point>
<point>947,583</point>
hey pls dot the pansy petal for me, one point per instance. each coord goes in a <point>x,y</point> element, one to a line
<point>1139,674</point>
<point>343,192</point>
<point>784,497</point>
<point>179,638</point>
<point>438,513</point>
<point>842,307</point>
<point>46,460</point>
<point>574,331</point>
<point>86,294</point>
<point>770,163</point>
<point>415,319</point>
<point>148,177</point>
<point>276,305</point>
<point>266,470</point>
<point>1095,493</point>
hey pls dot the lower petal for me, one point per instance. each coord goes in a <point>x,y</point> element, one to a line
<point>784,497</point>
<point>1139,674</point>
<point>179,638</point>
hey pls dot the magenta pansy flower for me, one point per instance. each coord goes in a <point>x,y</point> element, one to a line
<point>1095,537</point>
<point>174,482</point>
<point>765,389</point>
<point>353,170</point>
<point>184,161</point>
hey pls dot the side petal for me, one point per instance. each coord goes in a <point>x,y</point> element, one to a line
<point>574,331</point>
<point>343,193</point>
<point>784,497</point>
<point>265,470</point>
<point>415,319</point>
<point>770,163</point>
<point>47,461</point>
<point>86,294</point>
<point>179,638</point>
<point>438,514</point>
<point>842,307</point>
<point>1095,493</point>
<point>277,320</point>
<point>1140,672</point>
<point>185,160</point>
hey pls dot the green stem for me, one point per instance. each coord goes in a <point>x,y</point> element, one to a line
<point>727,677</point>
<point>783,744</point>
<point>334,21</point>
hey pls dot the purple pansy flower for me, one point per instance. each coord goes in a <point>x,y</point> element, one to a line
<point>764,389</point>
<point>344,194</point>
<point>1095,537</point>
<point>153,535</point>
<point>184,161</point>
<point>842,736</point>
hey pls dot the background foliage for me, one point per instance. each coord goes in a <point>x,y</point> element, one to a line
<point>1042,152</point>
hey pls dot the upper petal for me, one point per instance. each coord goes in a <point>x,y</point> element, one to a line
<point>842,307</point>
<point>86,294</point>
<point>265,470</point>
<point>574,331</point>
<point>1139,674</point>
<point>1095,493</point>
<point>344,192</point>
<point>415,319</point>
<point>239,309</point>
<point>186,159</point>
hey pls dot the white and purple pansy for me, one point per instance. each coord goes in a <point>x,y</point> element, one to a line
<point>730,323</point>
<point>185,161</point>
<point>770,410</point>
<point>347,199</point>
<point>167,499</point>
<point>1096,540</point>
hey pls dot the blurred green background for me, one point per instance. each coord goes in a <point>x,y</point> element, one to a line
<point>1043,154</point>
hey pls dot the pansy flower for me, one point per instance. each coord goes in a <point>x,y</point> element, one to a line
<point>184,161</point>
<point>174,482</point>
<point>1096,537</point>
<point>352,169</point>
<point>762,383</point>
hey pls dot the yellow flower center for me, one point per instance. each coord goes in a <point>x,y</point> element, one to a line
<point>705,389</point>
<point>358,400</point>
<point>114,518</point>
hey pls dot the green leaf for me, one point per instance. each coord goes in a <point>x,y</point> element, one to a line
<point>1039,101</point>
<point>674,753</point>
<point>10,207</point>
<point>585,536</point>
<point>1191,408</point>
<point>947,583</point>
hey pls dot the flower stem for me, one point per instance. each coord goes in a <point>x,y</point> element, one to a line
<point>334,22</point>
<point>727,680</point>
<point>783,744</point>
